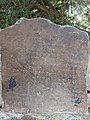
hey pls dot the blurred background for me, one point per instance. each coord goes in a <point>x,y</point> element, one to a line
<point>72,12</point>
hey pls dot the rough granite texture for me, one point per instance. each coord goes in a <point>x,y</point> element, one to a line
<point>48,63</point>
<point>59,116</point>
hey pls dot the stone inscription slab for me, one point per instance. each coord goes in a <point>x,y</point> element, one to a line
<point>44,67</point>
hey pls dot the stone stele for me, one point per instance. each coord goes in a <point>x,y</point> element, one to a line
<point>44,68</point>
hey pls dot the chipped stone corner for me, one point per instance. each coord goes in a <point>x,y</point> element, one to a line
<point>21,20</point>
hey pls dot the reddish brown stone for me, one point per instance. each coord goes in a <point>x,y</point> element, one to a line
<point>48,63</point>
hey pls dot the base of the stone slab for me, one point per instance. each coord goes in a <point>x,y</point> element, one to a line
<point>55,116</point>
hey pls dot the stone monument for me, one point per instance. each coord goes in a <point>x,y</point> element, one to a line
<point>44,68</point>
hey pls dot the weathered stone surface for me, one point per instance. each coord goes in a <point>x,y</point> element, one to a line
<point>88,80</point>
<point>44,68</point>
<point>1,99</point>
